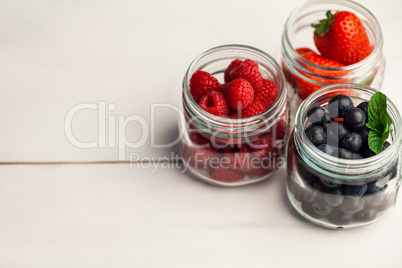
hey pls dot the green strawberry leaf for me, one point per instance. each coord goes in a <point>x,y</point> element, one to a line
<point>379,122</point>
<point>323,27</point>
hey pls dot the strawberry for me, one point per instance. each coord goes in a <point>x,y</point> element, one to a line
<point>303,87</point>
<point>342,37</point>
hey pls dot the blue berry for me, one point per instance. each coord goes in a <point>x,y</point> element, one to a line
<point>334,197</point>
<point>355,190</point>
<point>352,142</point>
<point>316,115</point>
<point>343,153</point>
<point>364,107</point>
<point>338,217</point>
<point>316,134</point>
<point>355,119</point>
<point>339,105</point>
<point>352,204</point>
<point>326,148</point>
<point>364,132</point>
<point>335,132</point>
<point>366,215</point>
<point>321,208</point>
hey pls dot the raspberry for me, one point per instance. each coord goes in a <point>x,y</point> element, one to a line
<point>233,65</point>
<point>234,115</point>
<point>264,146</point>
<point>222,88</point>
<point>239,94</point>
<point>248,70</point>
<point>266,93</point>
<point>260,172</point>
<point>200,83</point>
<point>239,157</point>
<point>256,107</point>
<point>226,175</point>
<point>214,103</point>
<point>198,153</point>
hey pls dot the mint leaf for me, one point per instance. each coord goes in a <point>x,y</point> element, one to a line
<point>375,126</point>
<point>377,106</point>
<point>379,122</point>
<point>376,141</point>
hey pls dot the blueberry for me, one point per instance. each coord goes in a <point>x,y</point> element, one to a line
<point>356,156</point>
<point>367,153</point>
<point>339,105</point>
<point>316,134</point>
<point>364,132</point>
<point>366,215</point>
<point>355,190</point>
<point>343,153</point>
<point>372,188</point>
<point>334,197</point>
<point>316,115</point>
<point>329,183</point>
<point>326,148</point>
<point>355,119</point>
<point>308,209</point>
<point>385,146</point>
<point>321,208</point>
<point>364,107</point>
<point>328,120</point>
<point>352,142</point>
<point>352,204</point>
<point>338,217</point>
<point>335,132</point>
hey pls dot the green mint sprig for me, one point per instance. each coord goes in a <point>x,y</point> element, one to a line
<point>379,122</point>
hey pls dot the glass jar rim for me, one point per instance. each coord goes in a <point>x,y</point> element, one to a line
<point>348,3</point>
<point>335,164</point>
<point>222,122</point>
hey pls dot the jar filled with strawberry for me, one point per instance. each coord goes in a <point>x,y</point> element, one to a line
<point>235,122</point>
<point>328,42</point>
<point>344,156</point>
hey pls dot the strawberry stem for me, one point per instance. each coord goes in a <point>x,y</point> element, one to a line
<point>323,27</point>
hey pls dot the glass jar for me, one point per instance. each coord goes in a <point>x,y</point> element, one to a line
<point>234,152</point>
<point>304,77</point>
<point>319,185</point>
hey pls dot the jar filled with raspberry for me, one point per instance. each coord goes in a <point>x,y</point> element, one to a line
<point>235,124</point>
<point>328,42</point>
<point>335,179</point>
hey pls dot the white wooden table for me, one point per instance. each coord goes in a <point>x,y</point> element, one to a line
<point>64,206</point>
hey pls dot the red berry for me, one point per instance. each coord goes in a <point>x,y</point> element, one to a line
<point>303,87</point>
<point>256,107</point>
<point>198,153</point>
<point>200,83</point>
<point>342,37</point>
<point>222,88</point>
<point>264,147</point>
<point>266,93</point>
<point>248,70</point>
<point>240,157</point>
<point>233,65</point>
<point>226,175</point>
<point>239,94</point>
<point>214,103</point>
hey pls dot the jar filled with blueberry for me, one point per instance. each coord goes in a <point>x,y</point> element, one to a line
<point>344,156</point>
<point>234,128</point>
